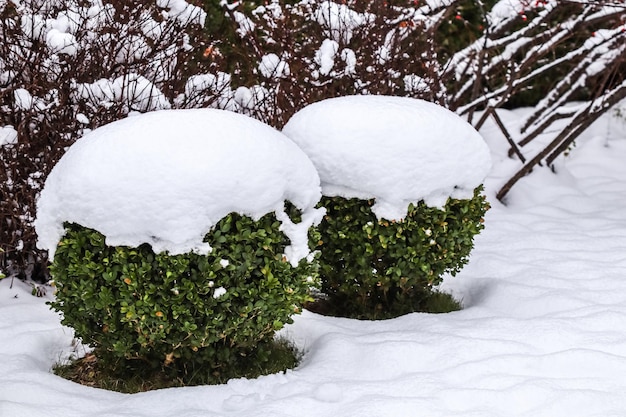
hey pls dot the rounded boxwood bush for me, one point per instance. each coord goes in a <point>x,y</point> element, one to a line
<point>373,268</point>
<point>187,313</point>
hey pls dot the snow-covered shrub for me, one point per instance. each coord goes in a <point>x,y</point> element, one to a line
<point>206,215</point>
<point>401,179</point>
<point>378,268</point>
<point>186,313</point>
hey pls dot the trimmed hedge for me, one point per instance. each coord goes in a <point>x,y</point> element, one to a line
<point>183,313</point>
<point>373,268</point>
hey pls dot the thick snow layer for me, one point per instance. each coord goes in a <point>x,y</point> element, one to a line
<point>167,177</point>
<point>541,333</point>
<point>394,149</point>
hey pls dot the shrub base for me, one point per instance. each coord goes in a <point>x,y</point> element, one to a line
<point>135,376</point>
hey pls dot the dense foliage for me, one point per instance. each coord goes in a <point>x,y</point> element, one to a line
<point>186,313</point>
<point>376,268</point>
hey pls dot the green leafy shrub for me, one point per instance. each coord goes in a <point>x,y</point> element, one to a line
<point>186,313</point>
<point>374,268</point>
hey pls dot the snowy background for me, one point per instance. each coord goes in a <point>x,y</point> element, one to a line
<point>541,332</point>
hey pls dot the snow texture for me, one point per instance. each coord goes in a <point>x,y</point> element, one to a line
<point>506,9</point>
<point>167,177</point>
<point>246,26</point>
<point>394,149</point>
<point>541,333</point>
<point>8,135</point>
<point>349,57</point>
<point>183,12</point>
<point>218,292</point>
<point>415,84</point>
<point>61,43</point>
<point>59,33</point>
<point>256,99</point>
<point>272,66</point>
<point>23,99</point>
<point>135,91</point>
<point>325,56</point>
<point>197,84</point>
<point>340,20</point>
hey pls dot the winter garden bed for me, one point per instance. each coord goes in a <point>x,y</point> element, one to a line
<point>182,240</point>
<point>540,333</point>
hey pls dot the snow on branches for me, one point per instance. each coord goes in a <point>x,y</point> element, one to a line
<point>563,52</point>
<point>315,49</point>
<point>67,66</point>
<point>545,53</point>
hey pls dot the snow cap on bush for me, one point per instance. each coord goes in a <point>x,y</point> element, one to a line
<point>397,150</point>
<point>167,177</point>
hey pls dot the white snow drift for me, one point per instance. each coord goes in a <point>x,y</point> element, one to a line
<point>394,149</point>
<point>165,178</point>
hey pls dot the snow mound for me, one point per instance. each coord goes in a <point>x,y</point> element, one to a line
<point>397,150</point>
<point>167,177</point>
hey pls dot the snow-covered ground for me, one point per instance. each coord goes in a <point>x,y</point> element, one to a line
<point>543,331</point>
